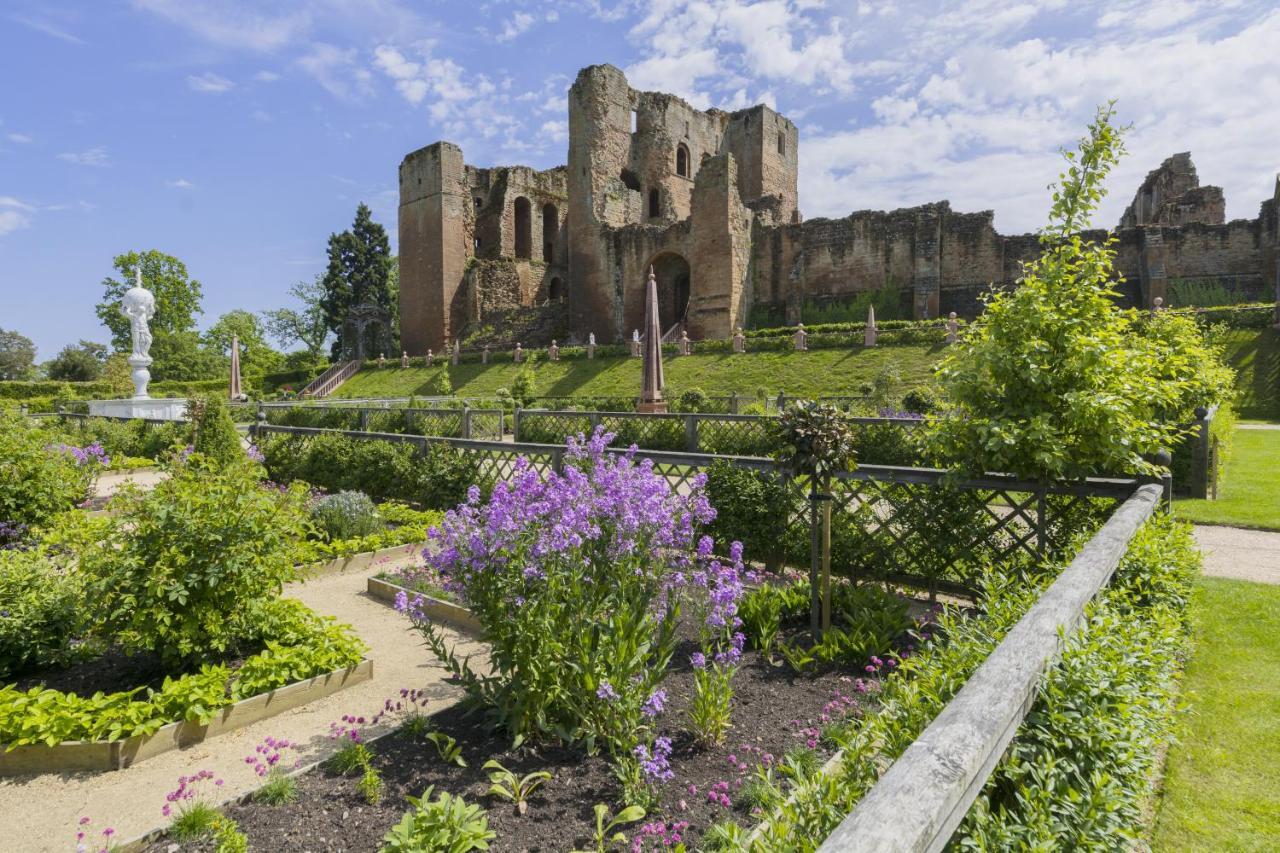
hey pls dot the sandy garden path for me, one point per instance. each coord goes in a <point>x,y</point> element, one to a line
<point>108,484</point>
<point>39,813</point>
<point>1233,552</point>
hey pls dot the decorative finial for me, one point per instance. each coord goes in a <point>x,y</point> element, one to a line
<point>137,275</point>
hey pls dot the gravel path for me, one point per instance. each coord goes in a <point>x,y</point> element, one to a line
<point>110,483</point>
<point>40,812</point>
<point>1233,552</point>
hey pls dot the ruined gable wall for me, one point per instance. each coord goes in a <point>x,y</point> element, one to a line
<point>663,123</point>
<point>765,146</point>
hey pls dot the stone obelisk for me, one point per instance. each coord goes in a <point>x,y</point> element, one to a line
<point>651,390</point>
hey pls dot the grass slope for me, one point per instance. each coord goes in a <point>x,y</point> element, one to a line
<point>1222,783</point>
<point>1248,493</point>
<point>1255,354</point>
<point>827,371</point>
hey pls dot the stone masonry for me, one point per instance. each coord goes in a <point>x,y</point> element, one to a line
<point>708,199</point>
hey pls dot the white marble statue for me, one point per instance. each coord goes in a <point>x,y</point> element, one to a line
<point>591,339</point>
<point>139,305</point>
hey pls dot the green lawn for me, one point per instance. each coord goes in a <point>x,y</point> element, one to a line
<point>1222,782</point>
<point>826,371</point>
<point>1249,488</point>
<point>1255,354</point>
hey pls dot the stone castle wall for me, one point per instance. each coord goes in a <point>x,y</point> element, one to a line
<point>708,199</point>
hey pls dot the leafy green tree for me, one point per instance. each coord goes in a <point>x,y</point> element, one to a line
<point>80,362</point>
<point>213,433</point>
<point>307,326</point>
<point>17,355</point>
<point>181,356</point>
<point>256,355</point>
<point>1054,381</point>
<point>177,296</point>
<point>117,374</point>
<point>358,271</point>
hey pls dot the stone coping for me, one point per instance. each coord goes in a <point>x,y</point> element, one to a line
<point>80,755</point>
<point>437,608</point>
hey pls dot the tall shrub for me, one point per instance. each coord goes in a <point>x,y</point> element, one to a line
<point>213,432</point>
<point>39,477</point>
<point>1054,381</point>
<point>178,569</point>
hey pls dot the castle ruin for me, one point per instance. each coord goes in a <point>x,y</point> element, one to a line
<point>709,200</point>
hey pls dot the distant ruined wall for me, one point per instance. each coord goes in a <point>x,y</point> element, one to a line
<point>708,200</point>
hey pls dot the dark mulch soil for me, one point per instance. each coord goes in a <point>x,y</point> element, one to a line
<point>111,672</point>
<point>771,709</point>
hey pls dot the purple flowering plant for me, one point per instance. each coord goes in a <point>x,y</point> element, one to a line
<point>576,577</point>
<point>716,589</point>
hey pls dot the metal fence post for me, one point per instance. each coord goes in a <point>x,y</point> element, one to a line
<point>691,433</point>
<point>1200,454</point>
<point>593,419</point>
<point>733,403</point>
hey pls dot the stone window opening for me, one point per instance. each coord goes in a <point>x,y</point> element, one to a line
<point>655,203</point>
<point>524,235</point>
<point>686,130</point>
<point>550,226</point>
<point>635,121</point>
<point>782,143</point>
<point>630,180</point>
<point>555,291</point>
<point>682,160</point>
<point>479,203</point>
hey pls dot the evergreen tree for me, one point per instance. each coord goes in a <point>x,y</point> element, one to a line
<point>358,271</point>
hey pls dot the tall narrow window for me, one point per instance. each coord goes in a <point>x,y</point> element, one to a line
<point>524,229</point>
<point>550,227</point>
<point>635,121</point>
<point>682,161</point>
<point>655,209</point>
<point>782,143</point>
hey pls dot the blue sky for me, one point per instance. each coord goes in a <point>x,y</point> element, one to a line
<point>237,134</point>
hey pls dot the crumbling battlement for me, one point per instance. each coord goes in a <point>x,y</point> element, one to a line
<point>708,200</point>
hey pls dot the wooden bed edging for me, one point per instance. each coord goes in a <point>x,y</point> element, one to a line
<point>924,795</point>
<point>355,562</point>
<point>118,754</point>
<point>436,608</point>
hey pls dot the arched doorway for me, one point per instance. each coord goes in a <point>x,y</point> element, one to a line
<point>672,274</point>
<point>682,160</point>
<point>555,291</point>
<point>524,229</point>
<point>550,227</point>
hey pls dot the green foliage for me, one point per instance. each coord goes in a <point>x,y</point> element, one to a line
<point>447,824</point>
<point>39,482</point>
<point>80,362</point>
<point>307,326</point>
<point>1184,293</point>
<point>609,826</point>
<point>359,266</point>
<point>49,716</point>
<point>345,515</point>
<point>922,401</point>
<point>752,507</point>
<point>1055,382</point>
<point>42,611</point>
<point>815,440</point>
<point>411,527</point>
<point>134,438</point>
<point>693,400</point>
<point>447,748</point>
<point>515,789</point>
<point>1188,362</point>
<point>436,479</point>
<point>213,433</point>
<point>279,789</point>
<point>17,355</point>
<point>177,297</point>
<point>174,570</point>
<point>194,822</point>
<point>256,355</point>
<point>525,386</point>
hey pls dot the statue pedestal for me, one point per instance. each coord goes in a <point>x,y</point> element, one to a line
<point>163,409</point>
<point>657,407</point>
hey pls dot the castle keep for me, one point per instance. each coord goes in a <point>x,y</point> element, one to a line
<point>708,199</point>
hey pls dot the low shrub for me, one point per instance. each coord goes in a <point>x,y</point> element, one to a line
<point>39,479</point>
<point>42,611</point>
<point>403,526</point>
<point>345,515</point>
<point>447,823</point>
<point>173,570</point>
<point>213,432</point>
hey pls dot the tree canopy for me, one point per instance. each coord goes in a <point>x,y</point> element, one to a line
<point>80,362</point>
<point>307,326</point>
<point>177,295</point>
<point>358,272</point>
<point>17,355</point>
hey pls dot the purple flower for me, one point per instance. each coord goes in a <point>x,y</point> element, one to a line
<point>606,692</point>
<point>653,706</point>
<point>656,766</point>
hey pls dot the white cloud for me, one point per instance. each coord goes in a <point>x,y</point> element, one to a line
<point>337,70</point>
<point>260,115</point>
<point>96,156</point>
<point>514,26</point>
<point>43,25</point>
<point>453,91</point>
<point>230,24</point>
<point>180,184</point>
<point>266,77</point>
<point>13,215</point>
<point>19,138</point>
<point>210,83</point>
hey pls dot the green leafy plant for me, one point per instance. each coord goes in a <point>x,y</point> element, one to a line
<point>447,824</point>
<point>174,569</point>
<point>815,440</point>
<point>515,789</point>
<point>609,826</point>
<point>42,611</point>
<point>447,747</point>
<point>213,433</point>
<point>39,480</point>
<point>1056,382</point>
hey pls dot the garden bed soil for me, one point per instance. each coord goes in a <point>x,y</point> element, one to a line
<point>111,672</point>
<point>772,708</point>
